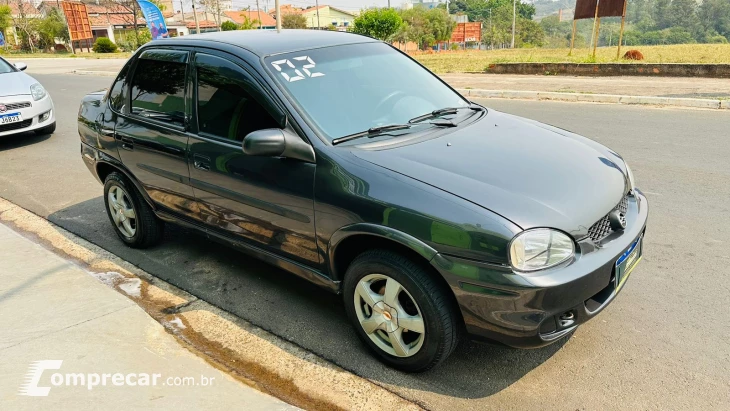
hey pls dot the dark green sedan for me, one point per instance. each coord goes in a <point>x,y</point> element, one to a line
<point>340,159</point>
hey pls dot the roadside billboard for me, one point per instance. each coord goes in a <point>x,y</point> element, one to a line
<point>77,17</point>
<point>464,32</point>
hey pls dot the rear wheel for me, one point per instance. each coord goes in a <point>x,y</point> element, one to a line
<point>132,218</point>
<point>399,311</point>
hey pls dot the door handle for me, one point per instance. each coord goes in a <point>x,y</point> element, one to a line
<point>127,143</point>
<point>201,162</point>
<point>106,132</point>
<point>201,165</point>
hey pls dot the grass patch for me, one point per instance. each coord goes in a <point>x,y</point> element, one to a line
<point>478,61</point>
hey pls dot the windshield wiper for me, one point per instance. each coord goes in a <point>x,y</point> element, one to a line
<point>442,112</point>
<point>371,132</point>
<point>374,131</point>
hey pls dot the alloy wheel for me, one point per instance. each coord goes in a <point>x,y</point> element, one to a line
<point>122,211</point>
<point>389,315</point>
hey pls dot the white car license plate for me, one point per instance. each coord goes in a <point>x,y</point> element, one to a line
<point>10,118</point>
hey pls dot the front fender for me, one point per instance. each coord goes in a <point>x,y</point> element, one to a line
<point>391,234</point>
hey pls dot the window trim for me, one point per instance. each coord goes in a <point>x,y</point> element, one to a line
<point>186,121</point>
<point>257,92</point>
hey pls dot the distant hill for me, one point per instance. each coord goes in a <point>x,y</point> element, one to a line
<point>546,8</point>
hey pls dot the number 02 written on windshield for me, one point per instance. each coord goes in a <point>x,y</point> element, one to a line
<point>307,67</point>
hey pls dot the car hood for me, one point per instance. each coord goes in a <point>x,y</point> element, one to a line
<point>532,174</point>
<point>14,84</point>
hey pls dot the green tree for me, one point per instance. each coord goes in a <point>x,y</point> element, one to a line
<point>294,21</point>
<point>50,28</point>
<point>248,24</point>
<point>715,18</point>
<point>228,26</point>
<point>381,24</point>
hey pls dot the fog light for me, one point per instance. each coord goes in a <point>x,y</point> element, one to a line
<point>45,116</point>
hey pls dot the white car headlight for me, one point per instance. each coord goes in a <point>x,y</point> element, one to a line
<point>632,182</point>
<point>37,91</point>
<point>539,249</point>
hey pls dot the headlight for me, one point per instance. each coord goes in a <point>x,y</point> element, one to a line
<point>632,183</point>
<point>539,249</point>
<point>37,91</point>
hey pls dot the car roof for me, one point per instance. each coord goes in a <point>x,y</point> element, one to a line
<point>267,42</point>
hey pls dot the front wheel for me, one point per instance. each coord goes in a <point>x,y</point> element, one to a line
<point>400,311</point>
<point>132,218</point>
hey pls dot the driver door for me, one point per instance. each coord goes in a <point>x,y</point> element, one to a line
<point>265,201</point>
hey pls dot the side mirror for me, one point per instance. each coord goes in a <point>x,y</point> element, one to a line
<point>275,142</point>
<point>20,66</point>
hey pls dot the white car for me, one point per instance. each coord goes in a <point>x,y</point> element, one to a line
<point>24,103</point>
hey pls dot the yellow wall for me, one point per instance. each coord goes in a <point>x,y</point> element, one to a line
<point>326,17</point>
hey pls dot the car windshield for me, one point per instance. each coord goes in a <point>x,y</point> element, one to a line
<point>6,67</point>
<point>351,88</point>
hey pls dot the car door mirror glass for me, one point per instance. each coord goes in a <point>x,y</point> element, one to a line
<point>21,66</point>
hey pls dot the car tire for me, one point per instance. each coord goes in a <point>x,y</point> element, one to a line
<point>46,130</point>
<point>132,218</point>
<point>378,277</point>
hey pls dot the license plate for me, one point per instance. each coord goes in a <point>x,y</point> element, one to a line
<point>10,118</point>
<point>626,263</point>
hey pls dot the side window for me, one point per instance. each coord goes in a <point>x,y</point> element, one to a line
<point>117,94</point>
<point>226,108</point>
<point>158,87</point>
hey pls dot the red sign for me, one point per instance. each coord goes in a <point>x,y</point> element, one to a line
<point>78,20</point>
<point>467,32</point>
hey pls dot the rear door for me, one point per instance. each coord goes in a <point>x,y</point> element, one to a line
<point>153,132</point>
<point>265,201</point>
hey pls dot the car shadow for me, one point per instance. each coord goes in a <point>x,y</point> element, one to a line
<point>21,140</point>
<point>295,309</point>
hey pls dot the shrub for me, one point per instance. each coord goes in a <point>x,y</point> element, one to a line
<point>104,45</point>
<point>228,26</point>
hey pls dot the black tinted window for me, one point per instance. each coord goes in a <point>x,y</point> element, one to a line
<point>225,106</point>
<point>158,91</point>
<point>118,92</point>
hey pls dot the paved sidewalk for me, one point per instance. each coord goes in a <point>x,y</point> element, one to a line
<point>51,309</point>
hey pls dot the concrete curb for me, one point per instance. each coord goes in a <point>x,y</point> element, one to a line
<point>598,98</point>
<point>95,73</point>
<point>243,350</point>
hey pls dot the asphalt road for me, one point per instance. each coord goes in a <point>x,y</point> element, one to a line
<point>662,344</point>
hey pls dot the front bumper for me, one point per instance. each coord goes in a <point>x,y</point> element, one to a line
<point>528,310</point>
<point>30,114</point>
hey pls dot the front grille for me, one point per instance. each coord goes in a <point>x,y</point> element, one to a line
<point>15,126</point>
<point>602,227</point>
<point>15,106</point>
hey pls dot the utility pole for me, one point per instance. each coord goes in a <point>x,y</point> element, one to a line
<point>447,6</point>
<point>316,2</point>
<point>218,10</point>
<point>514,21</point>
<point>182,10</point>
<point>259,10</point>
<point>278,16</point>
<point>195,15</point>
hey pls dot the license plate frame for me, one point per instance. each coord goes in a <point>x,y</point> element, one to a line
<point>10,118</point>
<point>626,263</point>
